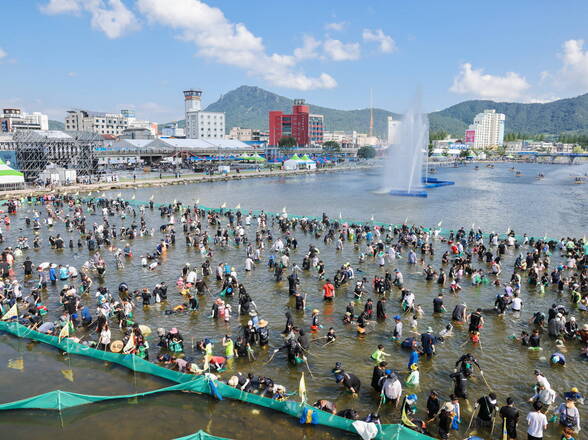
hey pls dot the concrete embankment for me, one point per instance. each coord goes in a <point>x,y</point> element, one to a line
<point>145,183</point>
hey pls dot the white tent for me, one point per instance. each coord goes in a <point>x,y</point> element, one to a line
<point>9,176</point>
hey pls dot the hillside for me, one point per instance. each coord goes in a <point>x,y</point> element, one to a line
<point>248,107</point>
<point>56,125</point>
<point>554,117</point>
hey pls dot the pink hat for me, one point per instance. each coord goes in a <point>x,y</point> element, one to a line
<point>173,331</point>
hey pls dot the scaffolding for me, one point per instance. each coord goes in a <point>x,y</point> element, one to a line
<point>35,150</point>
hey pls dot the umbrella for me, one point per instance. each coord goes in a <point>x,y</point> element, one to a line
<point>44,265</point>
<point>145,330</point>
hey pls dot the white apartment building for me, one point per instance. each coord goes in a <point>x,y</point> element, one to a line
<point>13,119</point>
<point>201,124</point>
<point>393,127</point>
<point>489,129</point>
<point>101,123</point>
<point>205,125</point>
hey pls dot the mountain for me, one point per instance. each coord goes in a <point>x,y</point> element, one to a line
<point>248,107</point>
<point>564,115</point>
<point>56,125</point>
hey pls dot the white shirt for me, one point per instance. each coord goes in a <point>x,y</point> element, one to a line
<point>537,423</point>
<point>517,304</point>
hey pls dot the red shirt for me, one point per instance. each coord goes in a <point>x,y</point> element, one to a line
<point>329,290</point>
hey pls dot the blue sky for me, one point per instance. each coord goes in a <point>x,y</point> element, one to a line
<point>110,54</point>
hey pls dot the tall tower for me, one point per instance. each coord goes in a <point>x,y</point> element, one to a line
<point>192,100</point>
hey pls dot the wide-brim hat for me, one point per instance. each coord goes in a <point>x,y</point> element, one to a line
<point>116,346</point>
<point>263,323</point>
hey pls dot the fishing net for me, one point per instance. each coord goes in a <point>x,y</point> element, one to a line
<point>60,400</point>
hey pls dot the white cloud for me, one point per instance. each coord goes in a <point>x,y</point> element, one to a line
<point>574,73</point>
<point>336,26</point>
<point>2,53</point>
<point>61,6</point>
<point>385,42</point>
<point>339,51</point>
<point>479,85</point>
<point>109,16</point>
<point>308,49</point>
<point>230,43</point>
<point>72,74</point>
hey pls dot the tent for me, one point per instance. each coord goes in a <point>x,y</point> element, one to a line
<point>257,158</point>
<point>9,177</point>
<point>295,157</point>
<point>305,157</point>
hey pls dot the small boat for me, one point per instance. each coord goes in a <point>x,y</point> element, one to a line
<point>579,180</point>
<point>518,174</point>
<point>540,176</point>
<point>490,165</point>
<point>476,168</point>
<point>432,170</point>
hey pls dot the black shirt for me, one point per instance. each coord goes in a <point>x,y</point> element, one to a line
<point>486,408</point>
<point>351,381</point>
<point>438,305</point>
<point>511,414</point>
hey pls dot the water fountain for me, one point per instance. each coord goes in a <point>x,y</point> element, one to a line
<point>403,164</point>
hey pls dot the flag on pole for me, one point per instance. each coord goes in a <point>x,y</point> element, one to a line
<point>130,346</point>
<point>302,389</point>
<point>12,313</point>
<point>238,206</point>
<point>64,333</point>
<point>68,374</point>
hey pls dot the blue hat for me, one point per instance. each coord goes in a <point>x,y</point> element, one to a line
<point>397,317</point>
<point>412,397</point>
<point>388,371</point>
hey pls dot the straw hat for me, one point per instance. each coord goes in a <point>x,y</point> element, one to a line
<point>116,346</point>
<point>585,327</point>
<point>315,311</point>
<point>263,323</point>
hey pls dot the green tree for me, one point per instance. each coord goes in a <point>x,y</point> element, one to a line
<point>367,152</point>
<point>464,153</point>
<point>332,146</point>
<point>287,142</point>
<point>577,150</point>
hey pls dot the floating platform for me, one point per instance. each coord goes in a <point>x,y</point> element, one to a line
<point>408,193</point>
<point>432,182</point>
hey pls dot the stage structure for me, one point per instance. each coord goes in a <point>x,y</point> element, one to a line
<point>34,150</point>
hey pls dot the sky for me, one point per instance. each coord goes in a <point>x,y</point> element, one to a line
<point>106,55</point>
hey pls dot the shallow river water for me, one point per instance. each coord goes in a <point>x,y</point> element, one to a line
<point>493,199</point>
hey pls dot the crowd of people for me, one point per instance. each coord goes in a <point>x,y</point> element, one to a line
<point>105,230</point>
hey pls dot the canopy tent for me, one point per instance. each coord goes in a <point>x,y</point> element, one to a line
<point>305,157</point>
<point>295,157</point>
<point>9,176</point>
<point>257,158</point>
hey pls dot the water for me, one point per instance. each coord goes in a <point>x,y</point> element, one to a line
<point>404,160</point>
<point>494,199</point>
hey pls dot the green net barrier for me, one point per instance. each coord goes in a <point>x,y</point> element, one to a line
<point>442,232</point>
<point>58,400</point>
<point>201,435</point>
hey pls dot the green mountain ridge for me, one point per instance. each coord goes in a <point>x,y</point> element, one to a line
<point>248,107</point>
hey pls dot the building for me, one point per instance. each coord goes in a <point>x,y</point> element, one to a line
<point>201,124</point>
<point>470,137</point>
<point>13,119</point>
<point>137,124</point>
<point>488,129</point>
<point>248,135</point>
<point>393,127</point>
<point>96,122</point>
<point>172,130</point>
<point>307,129</point>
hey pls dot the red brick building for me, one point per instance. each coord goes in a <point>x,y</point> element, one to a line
<point>301,125</point>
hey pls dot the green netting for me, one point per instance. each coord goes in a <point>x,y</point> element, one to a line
<point>59,400</point>
<point>201,435</point>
